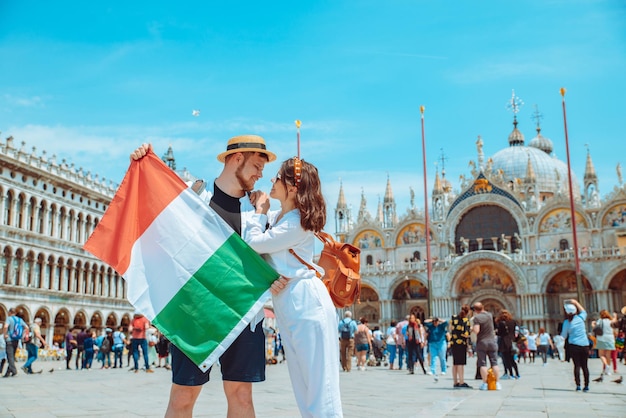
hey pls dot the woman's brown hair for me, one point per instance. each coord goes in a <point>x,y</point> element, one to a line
<point>505,315</point>
<point>309,199</point>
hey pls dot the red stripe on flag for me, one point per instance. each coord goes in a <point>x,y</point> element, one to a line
<point>148,187</point>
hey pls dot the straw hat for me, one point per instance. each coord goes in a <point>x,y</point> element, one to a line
<point>246,143</point>
<point>624,310</point>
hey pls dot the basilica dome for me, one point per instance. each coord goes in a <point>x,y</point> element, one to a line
<point>519,161</point>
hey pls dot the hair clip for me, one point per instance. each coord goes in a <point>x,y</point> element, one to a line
<point>297,170</point>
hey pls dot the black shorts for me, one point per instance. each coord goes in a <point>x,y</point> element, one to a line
<point>459,354</point>
<point>243,361</point>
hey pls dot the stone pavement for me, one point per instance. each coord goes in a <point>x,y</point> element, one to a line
<point>541,392</point>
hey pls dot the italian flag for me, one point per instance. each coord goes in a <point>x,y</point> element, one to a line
<point>186,270</point>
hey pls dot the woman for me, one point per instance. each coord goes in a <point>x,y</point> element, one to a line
<point>414,344</point>
<point>559,342</point>
<point>362,343</point>
<point>605,343</point>
<point>505,329</point>
<point>575,332</point>
<point>531,341</point>
<point>460,345</point>
<point>391,343</point>
<point>304,311</point>
<point>543,342</point>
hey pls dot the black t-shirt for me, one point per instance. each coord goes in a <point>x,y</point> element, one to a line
<point>228,207</point>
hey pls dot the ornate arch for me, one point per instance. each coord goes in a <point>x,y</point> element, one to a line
<point>456,214</point>
<point>491,257</point>
<point>564,285</point>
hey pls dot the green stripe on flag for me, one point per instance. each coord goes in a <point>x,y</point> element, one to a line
<point>215,299</point>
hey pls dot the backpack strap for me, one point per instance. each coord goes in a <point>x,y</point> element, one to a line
<point>317,273</point>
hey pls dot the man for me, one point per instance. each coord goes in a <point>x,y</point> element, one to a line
<point>401,340</point>
<point>138,327</point>
<point>12,337</point>
<point>244,361</point>
<point>347,328</point>
<point>70,345</point>
<point>35,341</point>
<point>437,344</point>
<point>486,344</point>
<point>80,347</point>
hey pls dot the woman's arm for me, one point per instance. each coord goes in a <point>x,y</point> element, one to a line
<point>286,234</point>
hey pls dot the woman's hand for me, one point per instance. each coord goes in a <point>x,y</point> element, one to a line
<point>261,202</point>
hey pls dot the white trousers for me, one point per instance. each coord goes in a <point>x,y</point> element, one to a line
<point>307,322</point>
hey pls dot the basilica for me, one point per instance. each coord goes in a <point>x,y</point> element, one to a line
<point>504,239</point>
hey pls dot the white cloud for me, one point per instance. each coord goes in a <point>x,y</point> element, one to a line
<point>33,101</point>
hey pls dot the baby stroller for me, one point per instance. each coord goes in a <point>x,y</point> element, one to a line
<point>378,351</point>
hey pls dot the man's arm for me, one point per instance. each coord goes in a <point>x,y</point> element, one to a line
<point>40,337</point>
<point>140,152</point>
<point>279,285</point>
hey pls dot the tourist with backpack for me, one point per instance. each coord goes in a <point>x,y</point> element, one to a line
<point>34,341</point>
<point>106,345</point>
<point>13,332</point>
<point>347,328</point>
<point>304,309</point>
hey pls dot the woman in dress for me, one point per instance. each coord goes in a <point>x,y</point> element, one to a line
<point>304,311</point>
<point>605,343</point>
<point>505,329</point>
<point>460,345</point>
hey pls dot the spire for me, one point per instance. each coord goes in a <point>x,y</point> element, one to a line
<point>590,170</point>
<point>389,207</point>
<point>514,104</point>
<point>592,196</point>
<point>379,212</point>
<point>388,191</point>
<point>530,172</point>
<point>363,214</point>
<point>169,159</point>
<point>437,188</point>
<point>343,217</point>
<point>341,201</point>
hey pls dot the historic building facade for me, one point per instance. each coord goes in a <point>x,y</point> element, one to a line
<point>48,210</point>
<point>504,238</point>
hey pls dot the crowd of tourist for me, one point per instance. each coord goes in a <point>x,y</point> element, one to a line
<point>473,332</point>
<point>401,346</point>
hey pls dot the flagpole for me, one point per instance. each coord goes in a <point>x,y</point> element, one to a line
<point>427,218</point>
<point>298,124</point>
<point>579,281</point>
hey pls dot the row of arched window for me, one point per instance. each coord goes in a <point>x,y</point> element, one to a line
<point>45,218</point>
<point>38,271</point>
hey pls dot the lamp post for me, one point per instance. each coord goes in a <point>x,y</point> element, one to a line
<point>579,280</point>
<point>426,219</point>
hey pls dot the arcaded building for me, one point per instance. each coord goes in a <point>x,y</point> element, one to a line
<point>504,238</point>
<point>48,210</point>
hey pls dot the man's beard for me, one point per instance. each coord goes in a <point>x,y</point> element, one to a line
<point>246,185</point>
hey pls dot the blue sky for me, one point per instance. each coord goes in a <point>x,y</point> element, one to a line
<point>89,81</point>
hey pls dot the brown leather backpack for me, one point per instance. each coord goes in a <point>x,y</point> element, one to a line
<point>341,263</point>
